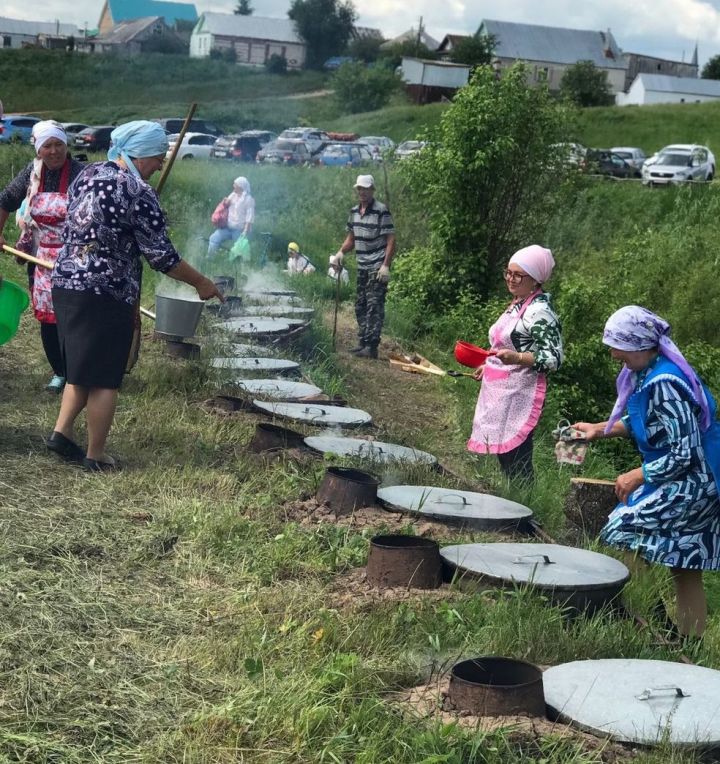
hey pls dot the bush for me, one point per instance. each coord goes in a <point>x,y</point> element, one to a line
<point>276,64</point>
<point>586,85</point>
<point>360,88</point>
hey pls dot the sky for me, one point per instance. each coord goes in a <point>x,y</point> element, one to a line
<point>665,28</point>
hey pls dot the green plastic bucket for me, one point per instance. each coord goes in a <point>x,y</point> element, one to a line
<point>13,301</point>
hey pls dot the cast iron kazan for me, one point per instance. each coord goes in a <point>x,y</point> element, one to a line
<point>495,686</point>
<point>182,349</point>
<point>404,561</point>
<point>344,489</point>
<point>271,436</point>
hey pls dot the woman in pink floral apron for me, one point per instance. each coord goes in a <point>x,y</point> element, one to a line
<point>40,191</point>
<point>528,345</point>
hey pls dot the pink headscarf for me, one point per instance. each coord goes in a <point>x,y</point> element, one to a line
<point>536,261</point>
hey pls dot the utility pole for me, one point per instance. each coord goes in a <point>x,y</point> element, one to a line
<point>418,39</point>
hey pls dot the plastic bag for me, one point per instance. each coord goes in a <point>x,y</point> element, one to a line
<point>240,249</point>
<point>571,446</point>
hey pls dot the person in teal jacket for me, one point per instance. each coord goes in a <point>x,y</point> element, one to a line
<point>669,510</point>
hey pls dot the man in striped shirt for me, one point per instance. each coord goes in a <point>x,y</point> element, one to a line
<point>371,233</point>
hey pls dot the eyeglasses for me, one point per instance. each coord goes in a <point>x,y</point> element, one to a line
<point>514,277</point>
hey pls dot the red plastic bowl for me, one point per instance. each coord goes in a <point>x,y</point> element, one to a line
<point>471,355</point>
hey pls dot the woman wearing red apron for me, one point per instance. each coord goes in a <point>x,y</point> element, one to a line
<point>40,191</point>
<point>528,345</point>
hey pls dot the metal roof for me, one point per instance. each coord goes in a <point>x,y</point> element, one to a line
<point>530,42</point>
<point>411,34</point>
<point>253,27</point>
<point>126,31</point>
<point>34,28</point>
<point>124,10</point>
<point>664,83</point>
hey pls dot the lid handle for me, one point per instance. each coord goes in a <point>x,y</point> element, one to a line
<point>444,499</point>
<point>311,409</point>
<point>650,692</point>
<point>370,446</point>
<point>527,557</point>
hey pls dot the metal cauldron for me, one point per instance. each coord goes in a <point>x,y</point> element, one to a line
<point>495,686</point>
<point>404,561</point>
<point>176,316</point>
<point>271,436</point>
<point>344,489</point>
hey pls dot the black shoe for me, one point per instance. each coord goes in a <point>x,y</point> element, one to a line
<point>94,465</point>
<point>64,447</point>
<point>367,352</point>
<point>357,349</point>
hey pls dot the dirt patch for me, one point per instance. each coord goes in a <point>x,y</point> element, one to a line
<point>310,511</point>
<point>351,590</point>
<point>430,701</point>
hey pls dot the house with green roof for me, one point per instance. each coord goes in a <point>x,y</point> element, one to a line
<point>116,11</point>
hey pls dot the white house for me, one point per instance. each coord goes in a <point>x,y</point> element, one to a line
<point>662,88</point>
<point>14,33</point>
<point>549,51</point>
<point>254,38</point>
<point>429,81</point>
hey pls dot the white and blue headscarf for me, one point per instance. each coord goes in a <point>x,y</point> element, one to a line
<point>138,139</point>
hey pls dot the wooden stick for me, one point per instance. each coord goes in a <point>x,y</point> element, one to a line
<point>147,313</point>
<point>337,305</point>
<point>170,162</point>
<point>29,258</point>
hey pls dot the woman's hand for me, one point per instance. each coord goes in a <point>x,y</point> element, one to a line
<point>478,373</point>
<point>590,431</point>
<point>508,357</point>
<point>627,483</point>
<point>207,289</point>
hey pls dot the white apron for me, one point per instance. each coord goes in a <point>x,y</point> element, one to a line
<point>511,397</point>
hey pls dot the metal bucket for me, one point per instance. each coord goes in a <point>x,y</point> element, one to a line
<point>176,316</point>
<point>405,561</point>
<point>270,436</point>
<point>344,489</point>
<point>495,686</point>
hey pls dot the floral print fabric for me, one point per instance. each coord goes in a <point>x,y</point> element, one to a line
<point>538,331</point>
<point>113,220</point>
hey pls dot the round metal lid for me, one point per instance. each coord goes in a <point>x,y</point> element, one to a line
<point>317,413</point>
<point>252,325</point>
<point>278,389</point>
<point>254,364</point>
<point>545,566</point>
<point>282,310</point>
<point>638,701</point>
<point>270,293</point>
<point>374,450</point>
<point>476,510</point>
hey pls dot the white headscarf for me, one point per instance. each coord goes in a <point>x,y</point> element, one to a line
<point>243,183</point>
<point>42,131</point>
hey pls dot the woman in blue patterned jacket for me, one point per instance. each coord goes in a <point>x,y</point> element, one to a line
<point>669,511</point>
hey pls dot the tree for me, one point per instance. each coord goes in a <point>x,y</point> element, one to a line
<point>711,70</point>
<point>361,88</point>
<point>325,26</point>
<point>365,49</point>
<point>276,64</point>
<point>586,85</point>
<point>474,50</point>
<point>486,183</point>
<point>243,8</point>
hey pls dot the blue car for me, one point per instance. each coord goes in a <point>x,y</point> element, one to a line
<point>345,155</point>
<point>16,128</point>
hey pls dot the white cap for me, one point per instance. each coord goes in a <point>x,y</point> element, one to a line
<point>365,181</point>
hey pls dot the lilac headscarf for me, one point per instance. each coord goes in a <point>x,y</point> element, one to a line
<point>636,328</point>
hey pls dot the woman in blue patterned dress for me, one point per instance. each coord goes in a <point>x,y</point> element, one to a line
<point>669,511</point>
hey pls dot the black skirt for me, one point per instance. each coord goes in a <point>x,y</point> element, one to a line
<point>95,333</point>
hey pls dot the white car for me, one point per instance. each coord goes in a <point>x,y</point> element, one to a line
<point>632,155</point>
<point>409,148</point>
<point>194,145</point>
<point>570,154</point>
<point>679,163</point>
<point>314,139</point>
<point>378,145</point>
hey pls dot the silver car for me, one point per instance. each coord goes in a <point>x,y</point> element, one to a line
<point>409,148</point>
<point>679,163</point>
<point>633,156</point>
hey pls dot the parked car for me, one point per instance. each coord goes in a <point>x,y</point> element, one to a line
<point>607,162</point>
<point>285,152</point>
<point>194,146</point>
<point>73,128</point>
<point>571,154</point>
<point>345,155</point>
<point>635,157</point>
<point>314,138</point>
<point>242,147</point>
<point>679,163</point>
<point>173,125</point>
<point>16,128</point>
<point>408,148</point>
<point>378,145</point>
<point>94,138</point>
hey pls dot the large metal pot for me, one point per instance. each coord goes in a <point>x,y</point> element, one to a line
<point>495,686</point>
<point>403,561</point>
<point>344,489</point>
<point>271,436</point>
<point>177,316</point>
